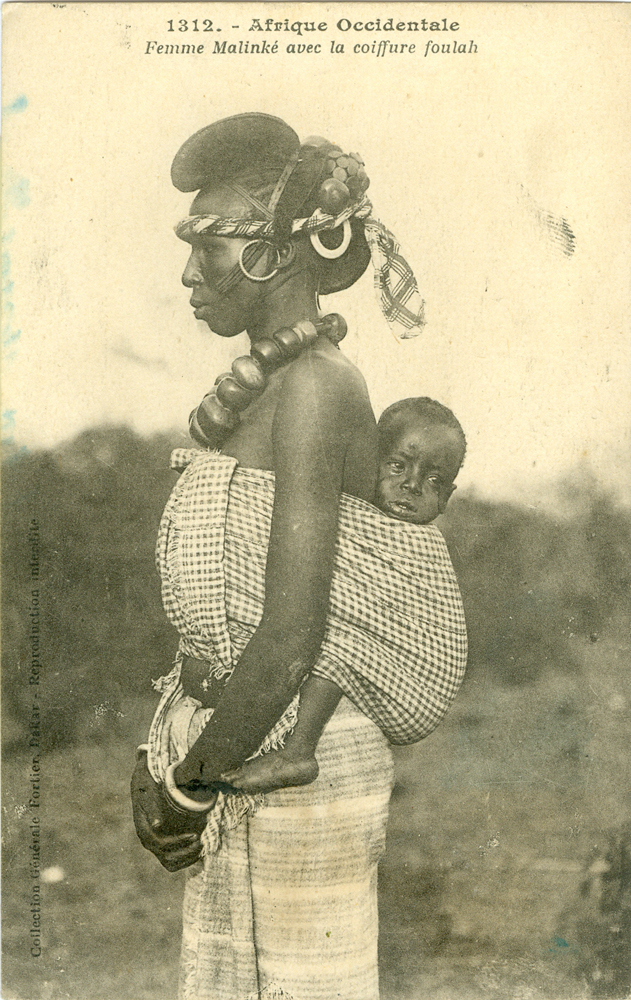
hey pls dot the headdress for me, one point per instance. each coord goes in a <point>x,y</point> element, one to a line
<point>314,173</point>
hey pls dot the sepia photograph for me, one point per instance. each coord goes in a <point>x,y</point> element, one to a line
<point>316,501</point>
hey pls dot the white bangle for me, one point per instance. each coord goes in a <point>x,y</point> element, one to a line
<point>177,798</point>
<point>142,748</point>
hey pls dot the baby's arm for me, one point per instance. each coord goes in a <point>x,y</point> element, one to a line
<point>296,763</point>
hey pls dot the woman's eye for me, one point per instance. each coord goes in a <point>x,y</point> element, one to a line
<point>209,246</point>
<point>434,481</point>
<point>396,467</point>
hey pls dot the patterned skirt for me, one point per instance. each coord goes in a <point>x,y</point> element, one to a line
<point>287,907</point>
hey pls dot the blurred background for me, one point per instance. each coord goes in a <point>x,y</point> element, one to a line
<point>506,177</point>
<point>508,866</point>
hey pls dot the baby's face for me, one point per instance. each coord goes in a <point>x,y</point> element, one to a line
<point>417,468</point>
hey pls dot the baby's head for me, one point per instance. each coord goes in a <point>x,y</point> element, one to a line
<point>421,449</point>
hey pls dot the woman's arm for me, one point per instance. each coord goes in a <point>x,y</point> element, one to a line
<point>317,413</point>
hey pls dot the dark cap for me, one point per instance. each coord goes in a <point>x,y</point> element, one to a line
<point>230,147</point>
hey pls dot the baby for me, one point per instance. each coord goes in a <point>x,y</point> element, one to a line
<point>421,450</point>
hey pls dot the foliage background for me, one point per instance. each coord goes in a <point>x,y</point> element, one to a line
<point>508,868</point>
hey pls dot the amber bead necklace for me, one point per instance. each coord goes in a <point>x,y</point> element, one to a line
<point>218,414</point>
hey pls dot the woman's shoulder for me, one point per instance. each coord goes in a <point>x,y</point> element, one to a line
<point>330,374</point>
<point>323,429</point>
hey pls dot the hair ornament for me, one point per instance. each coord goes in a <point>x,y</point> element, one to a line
<point>334,252</point>
<point>346,180</point>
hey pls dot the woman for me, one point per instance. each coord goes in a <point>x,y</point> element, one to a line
<point>285,898</point>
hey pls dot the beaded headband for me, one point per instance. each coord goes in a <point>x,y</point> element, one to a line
<point>395,284</point>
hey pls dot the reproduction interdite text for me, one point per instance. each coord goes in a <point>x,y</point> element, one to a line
<point>34,737</point>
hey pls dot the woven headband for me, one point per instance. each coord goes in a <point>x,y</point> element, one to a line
<point>395,284</point>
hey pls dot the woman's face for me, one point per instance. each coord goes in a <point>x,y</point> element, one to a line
<point>221,295</point>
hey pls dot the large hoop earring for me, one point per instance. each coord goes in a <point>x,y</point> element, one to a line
<point>255,277</point>
<point>319,247</point>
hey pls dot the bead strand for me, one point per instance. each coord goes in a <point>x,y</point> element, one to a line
<point>217,415</point>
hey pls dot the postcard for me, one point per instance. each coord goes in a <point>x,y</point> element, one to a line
<point>235,235</point>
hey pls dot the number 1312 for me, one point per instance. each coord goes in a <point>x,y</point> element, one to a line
<point>192,25</point>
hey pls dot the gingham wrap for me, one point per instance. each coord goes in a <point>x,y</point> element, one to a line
<point>287,907</point>
<point>395,639</point>
<point>395,284</point>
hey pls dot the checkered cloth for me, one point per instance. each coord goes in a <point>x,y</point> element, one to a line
<point>395,640</point>
<point>287,906</point>
<point>395,284</point>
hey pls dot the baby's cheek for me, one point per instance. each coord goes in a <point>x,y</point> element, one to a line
<point>387,481</point>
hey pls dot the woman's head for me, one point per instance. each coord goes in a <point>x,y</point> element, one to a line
<point>253,168</point>
<point>222,296</point>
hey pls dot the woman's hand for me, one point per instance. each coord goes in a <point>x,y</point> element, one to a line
<point>174,838</point>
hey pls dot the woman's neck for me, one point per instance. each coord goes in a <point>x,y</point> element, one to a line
<point>288,303</point>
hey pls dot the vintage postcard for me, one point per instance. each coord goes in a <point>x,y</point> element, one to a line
<point>450,183</point>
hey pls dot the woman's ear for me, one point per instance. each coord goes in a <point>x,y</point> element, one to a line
<point>286,254</point>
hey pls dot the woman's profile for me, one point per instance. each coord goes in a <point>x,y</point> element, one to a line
<point>281,891</point>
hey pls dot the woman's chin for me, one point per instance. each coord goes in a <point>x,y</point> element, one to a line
<point>215,326</point>
<point>225,334</point>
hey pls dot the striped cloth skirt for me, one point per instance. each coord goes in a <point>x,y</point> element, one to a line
<point>287,907</point>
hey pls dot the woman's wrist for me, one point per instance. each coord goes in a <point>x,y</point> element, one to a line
<point>180,800</point>
<point>190,779</point>
<point>182,774</point>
